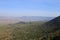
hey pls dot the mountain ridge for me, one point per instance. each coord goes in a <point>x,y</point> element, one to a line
<point>9,20</point>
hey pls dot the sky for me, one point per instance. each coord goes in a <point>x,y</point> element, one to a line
<point>17,8</point>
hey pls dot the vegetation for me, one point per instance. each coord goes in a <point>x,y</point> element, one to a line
<point>30,31</point>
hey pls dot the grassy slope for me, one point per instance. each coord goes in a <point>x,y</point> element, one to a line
<point>26,31</point>
<point>19,31</point>
<point>34,31</point>
<point>5,33</point>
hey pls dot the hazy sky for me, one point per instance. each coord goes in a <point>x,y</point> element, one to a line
<point>29,7</point>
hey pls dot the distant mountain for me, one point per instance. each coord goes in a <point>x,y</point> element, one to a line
<point>36,18</point>
<point>9,20</point>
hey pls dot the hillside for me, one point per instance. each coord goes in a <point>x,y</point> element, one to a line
<point>36,30</point>
<point>52,27</point>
